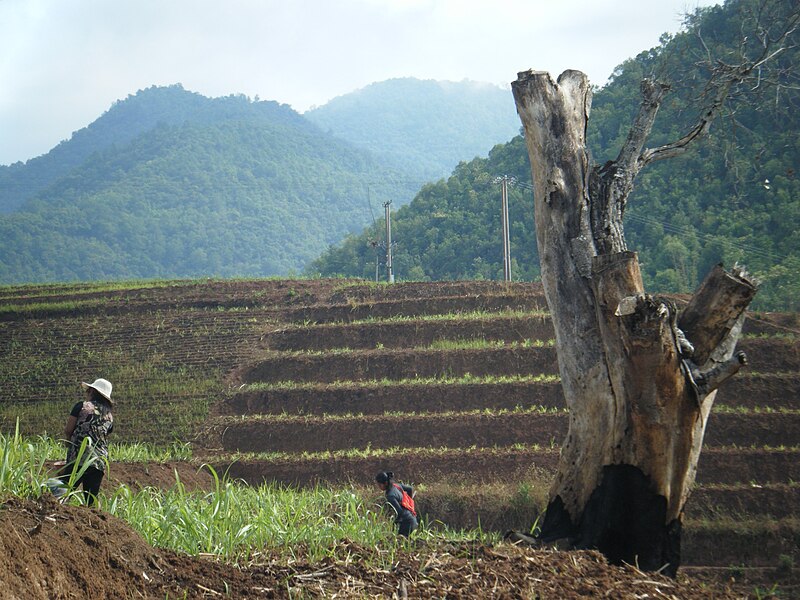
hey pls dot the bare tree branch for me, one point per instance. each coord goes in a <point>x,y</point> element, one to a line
<point>724,77</point>
<point>653,93</point>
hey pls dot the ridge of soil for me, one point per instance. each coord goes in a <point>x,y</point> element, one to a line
<point>773,391</point>
<point>275,433</point>
<point>400,364</point>
<point>51,550</point>
<point>377,400</point>
<point>717,466</point>
<point>409,333</point>
<point>408,307</point>
<point>137,475</point>
<point>766,356</point>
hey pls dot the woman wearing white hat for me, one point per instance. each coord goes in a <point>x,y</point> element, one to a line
<point>90,419</point>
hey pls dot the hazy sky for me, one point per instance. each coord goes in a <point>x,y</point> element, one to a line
<point>64,62</point>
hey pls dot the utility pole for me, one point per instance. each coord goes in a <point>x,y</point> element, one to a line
<point>387,213</point>
<point>375,245</point>
<point>504,181</point>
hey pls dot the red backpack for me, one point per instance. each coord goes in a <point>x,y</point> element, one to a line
<point>407,502</point>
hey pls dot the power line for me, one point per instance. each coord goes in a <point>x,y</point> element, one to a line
<point>687,232</point>
<point>393,182</point>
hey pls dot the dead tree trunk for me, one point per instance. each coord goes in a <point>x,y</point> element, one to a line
<point>637,393</point>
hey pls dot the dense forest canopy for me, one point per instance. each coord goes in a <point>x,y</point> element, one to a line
<point>177,185</point>
<point>734,198</point>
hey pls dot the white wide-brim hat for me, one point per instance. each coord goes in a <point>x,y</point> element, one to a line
<point>103,386</point>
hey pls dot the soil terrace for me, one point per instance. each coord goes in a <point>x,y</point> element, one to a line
<point>330,359</point>
<point>419,333</point>
<point>262,332</point>
<point>432,430</point>
<point>746,392</point>
<point>401,364</point>
<point>718,466</point>
<point>411,308</point>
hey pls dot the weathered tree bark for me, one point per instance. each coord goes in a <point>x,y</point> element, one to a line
<point>638,396</point>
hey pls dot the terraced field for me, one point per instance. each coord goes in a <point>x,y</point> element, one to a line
<point>453,386</point>
<point>462,398</point>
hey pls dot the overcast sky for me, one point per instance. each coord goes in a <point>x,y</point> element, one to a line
<point>64,62</point>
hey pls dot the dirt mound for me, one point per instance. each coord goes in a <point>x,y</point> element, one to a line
<point>53,551</point>
<point>159,475</point>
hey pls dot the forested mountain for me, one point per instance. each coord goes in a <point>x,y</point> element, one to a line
<point>119,125</point>
<point>172,184</point>
<point>734,197</point>
<point>422,127</point>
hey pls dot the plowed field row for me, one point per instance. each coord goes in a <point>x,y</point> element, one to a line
<point>401,334</point>
<point>399,365</point>
<point>722,466</point>
<point>417,290</point>
<point>184,295</point>
<point>759,543</point>
<point>409,308</point>
<point>317,434</point>
<point>373,398</point>
<point>768,356</point>
<point>412,333</point>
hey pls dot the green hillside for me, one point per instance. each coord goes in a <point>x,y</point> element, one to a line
<point>175,185</point>
<point>423,127</point>
<point>124,121</point>
<point>733,197</point>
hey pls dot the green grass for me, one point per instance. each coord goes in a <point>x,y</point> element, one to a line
<point>12,292</point>
<point>22,465</point>
<point>783,336</point>
<point>483,344</point>
<point>370,452</point>
<point>757,410</point>
<point>441,344</point>
<point>49,449</point>
<point>761,448</point>
<point>144,453</point>
<point>56,306</point>
<point>411,415</point>
<point>744,524</point>
<point>234,522</point>
<point>475,315</point>
<point>466,379</point>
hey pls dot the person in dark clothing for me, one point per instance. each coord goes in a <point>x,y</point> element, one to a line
<point>400,498</point>
<point>92,419</point>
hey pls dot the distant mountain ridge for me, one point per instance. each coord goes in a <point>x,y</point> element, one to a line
<point>423,127</point>
<point>169,183</point>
